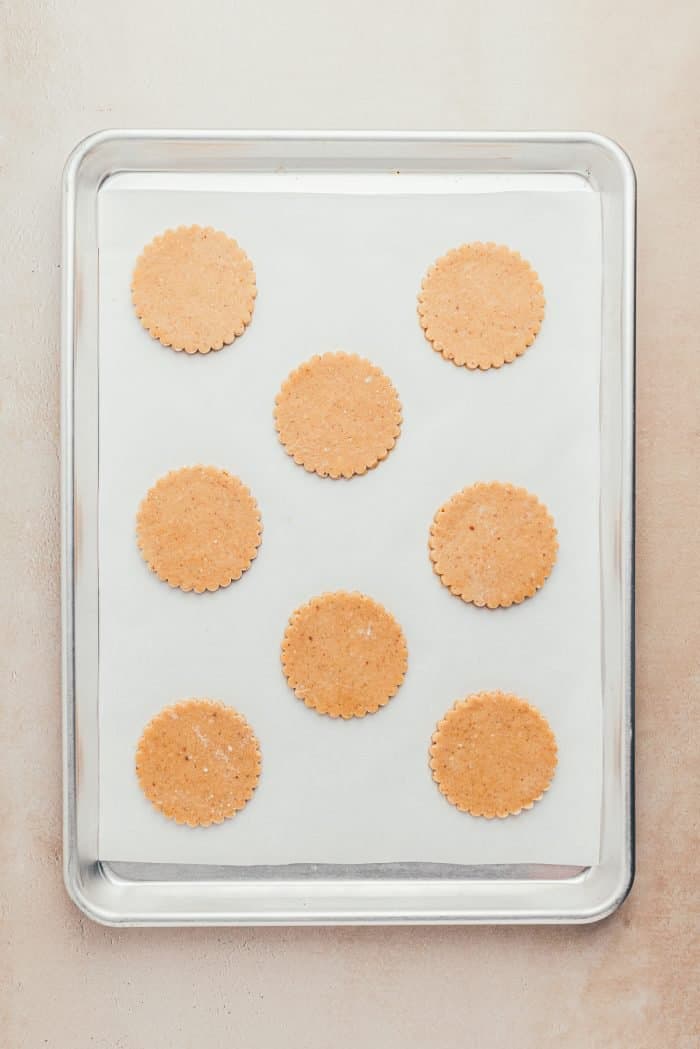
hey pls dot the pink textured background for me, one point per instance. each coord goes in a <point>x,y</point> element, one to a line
<point>627,69</point>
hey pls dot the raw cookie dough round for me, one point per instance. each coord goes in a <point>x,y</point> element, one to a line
<point>338,415</point>
<point>343,654</point>
<point>198,762</point>
<point>493,544</point>
<point>194,289</point>
<point>493,755</point>
<point>199,528</point>
<point>481,305</point>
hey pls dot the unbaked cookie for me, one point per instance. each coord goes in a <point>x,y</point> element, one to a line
<point>493,755</point>
<point>481,305</point>
<point>198,762</point>
<point>199,528</point>
<point>493,544</point>
<point>194,289</point>
<point>338,415</point>
<point>343,654</point>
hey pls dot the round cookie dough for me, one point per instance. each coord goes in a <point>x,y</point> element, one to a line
<point>193,289</point>
<point>199,528</point>
<point>493,755</point>
<point>338,415</point>
<point>198,762</point>
<point>481,305</point>
<point>493,544</point>
<point>344,655</point>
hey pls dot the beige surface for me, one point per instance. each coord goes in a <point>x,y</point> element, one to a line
<point>629,69</point>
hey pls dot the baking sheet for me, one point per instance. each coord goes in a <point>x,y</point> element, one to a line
<point>342,271</point>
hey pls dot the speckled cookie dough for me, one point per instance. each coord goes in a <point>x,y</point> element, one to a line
<point>193,289</point>
<point>481,305</point>
<point>493,544</point>
<point>338,415</point>
<point>198,762</point>
<point>344,655</point>
<point>493,755</point>
<point>199,528</point>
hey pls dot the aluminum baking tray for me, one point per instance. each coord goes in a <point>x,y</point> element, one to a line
<point>146,893</point>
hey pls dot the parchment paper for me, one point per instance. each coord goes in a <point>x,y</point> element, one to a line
<point>343,271</point>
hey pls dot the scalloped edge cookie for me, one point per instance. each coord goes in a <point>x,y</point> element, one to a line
<point>207,569</point>
<point>310,409</point>
<point>304,666</point>
<point>471,575</point>
<point>488,781</point>
<point>175,745</point>
<point>487,319</point>
<point>193,289</point>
